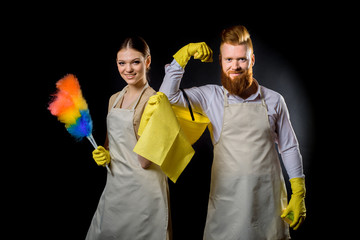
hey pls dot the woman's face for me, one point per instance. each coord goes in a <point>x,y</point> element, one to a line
<point>132,66</point>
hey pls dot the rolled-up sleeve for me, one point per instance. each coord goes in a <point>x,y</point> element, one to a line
<point>171,83</point>
<point>199,97</point>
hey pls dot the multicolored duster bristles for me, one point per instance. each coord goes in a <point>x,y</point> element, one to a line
<point>70,107</point>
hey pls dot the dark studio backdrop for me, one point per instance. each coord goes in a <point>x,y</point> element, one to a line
<point>63,186</point>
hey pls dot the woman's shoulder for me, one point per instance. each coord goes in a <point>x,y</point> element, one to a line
<point>113,98</point>
<point>149,92</point>
<point>115,95</point>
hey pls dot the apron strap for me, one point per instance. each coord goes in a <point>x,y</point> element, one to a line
<point>262,98</point>
<point>226,102</point>
<point>119,96</point>
<point>138,99</point>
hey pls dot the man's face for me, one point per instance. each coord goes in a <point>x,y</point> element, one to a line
<point>236,63</point>
<point>235,59</point>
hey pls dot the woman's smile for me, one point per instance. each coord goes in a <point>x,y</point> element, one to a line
<point>130,76</point>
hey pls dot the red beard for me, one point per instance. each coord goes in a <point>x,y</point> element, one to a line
<point>237,85</point>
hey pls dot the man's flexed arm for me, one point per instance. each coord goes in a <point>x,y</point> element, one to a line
<point>175,71</point>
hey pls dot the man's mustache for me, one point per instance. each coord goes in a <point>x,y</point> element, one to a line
<point>236,72</point>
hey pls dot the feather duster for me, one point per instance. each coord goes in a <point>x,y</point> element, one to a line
<point>70,107</point>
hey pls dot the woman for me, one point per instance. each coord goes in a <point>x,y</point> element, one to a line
<point>135,201</point>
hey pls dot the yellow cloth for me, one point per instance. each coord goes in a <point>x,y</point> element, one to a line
<point>162,140</point>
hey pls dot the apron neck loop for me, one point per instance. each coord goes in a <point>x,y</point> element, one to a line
<point>262,98</point>
<point>226,102</point>
<point>124,91</point>
<point>138,99</point>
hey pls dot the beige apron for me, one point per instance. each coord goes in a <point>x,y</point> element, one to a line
<point>247,192</point>
<point>134,203</point>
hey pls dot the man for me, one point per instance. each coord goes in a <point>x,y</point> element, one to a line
<point>248,197</point>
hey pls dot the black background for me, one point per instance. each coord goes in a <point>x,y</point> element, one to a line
<point>53,185</point>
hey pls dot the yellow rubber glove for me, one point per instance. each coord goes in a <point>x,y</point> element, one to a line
<point>199,50</point>
<point>101,156</point>
<point>296,211</point>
